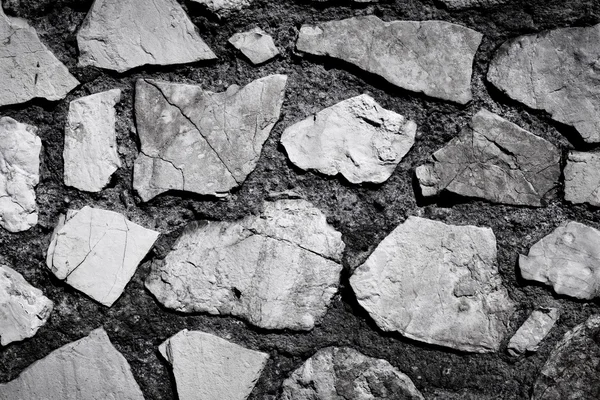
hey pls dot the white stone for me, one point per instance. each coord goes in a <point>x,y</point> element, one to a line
<point>224,8</point>
<point>582,178</point>
<point>533,331</point>
<point>255,44</point>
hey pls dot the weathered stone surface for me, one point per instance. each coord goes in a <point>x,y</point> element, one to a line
<point>255,44</point>
<point>120,35</point>
<point>19,174</point>
<point>463,4</point>
<point>23,308</point>
<point>582,178</point>
<point>90,152</point>
<point>90,368</point>
<point>495,160</point>
<point>533,331</point>
<point>277,270</point>
<point>438,284</point>
<point>199,141</point>
<point>344,373</point>
<point>210,368</point>
<point>432,57</point>
<point>224,8</point>
<point>97,252</point>
<point>556,71</point>
<point>356,138</point>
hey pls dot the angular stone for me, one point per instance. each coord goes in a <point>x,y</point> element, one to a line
<point>255,44</point>
<point>210,368</point>
<point>556,71</point>
<point>431,57</point>
<point>582,178</point>
<point>464,4</point>
<point>438,284</point>
<point>90,152</point>
<point>277,270</point>
<point>97,252</point>
<point>224,8</point>
<point>89,368</point>
<point>495,160</point>
<point>121,35</point>
<point>533,331</point>
<point>19,174</point>
<point>23,308</point>
<point>356,138</point>
<point>344,373</point>
<point>199,141</point>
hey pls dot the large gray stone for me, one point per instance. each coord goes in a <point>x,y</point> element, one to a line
<point>224,8</point>
<point>533,331</point>
<point>255,44</point>
<point>582,178</point>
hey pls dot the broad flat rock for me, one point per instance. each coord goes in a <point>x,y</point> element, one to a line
<point>356,138</point>
<point>278,270</point>
<point>207,367</point>
<point>255,44</point>
<point>438,284</point>
<point>224,8</point>
<point>19,174</point>
<point>582,178</point>
<point>533,331</point>
<point>89,368</point>
<point>464,4</point>
<point>123,34</point>
<point>199,141</point>
<point>97,252</point>
<point>23,308</point>
<point>90,152</point>
<point>430,57</point>
<point>495,160</point>
<point>344,373</point>
<point>556,71</point>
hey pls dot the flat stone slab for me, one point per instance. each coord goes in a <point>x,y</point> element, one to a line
<point>464,4</point>
<point>556,71</point>
<point>533,331</point>
<point>199,141</point>
<point>89,368</point>
<point>224,8</point>
<point>97,252</point>
<point>210,368</point>
<point>121,35</point>
<point>255,44</point>
<point>495,160</point>
<point>90,151</point>
<point>437,284</point>
<point>430,57</point>
<point>278,270</point>
<point>356,138</point>
<point>582,178</point>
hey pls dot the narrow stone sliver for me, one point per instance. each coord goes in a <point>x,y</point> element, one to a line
<point>533,331</point>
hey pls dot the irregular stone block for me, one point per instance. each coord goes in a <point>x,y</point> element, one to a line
<point>533,331</point>
<point>224,8</point>
<point>255,44</point>
<point>582,178</point>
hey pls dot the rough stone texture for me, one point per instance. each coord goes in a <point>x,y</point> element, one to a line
<point>277,270</point>
<point>255,44</point>
<point>199,141</point>
<point>463,4</point>
<point>210,368</point>
<point>582,178</point>
<point>90,151</point>
<point>120,35</point>
<point>90,368</point>
<point>23,308</point>
<point>432,57</point>
<point>344,373</point>
<point>224,8</point>
<point>495,160</point>
<point>356,138</point>
<point>533,331</point>
<point>97,252</point>
<point>438,284</point>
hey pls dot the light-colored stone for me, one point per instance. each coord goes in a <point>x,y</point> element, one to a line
<point>97,252</point>
<point>199,141</point>
<point>123,34</point>
<point>556,71</point>
<point>356,138</point>
<point>19,174</point>
<point>90,152</point>
<point>495,160</point>
<point>277,270</point>
<point>89,368</point>
<point>23,308</point>
<point>464,4</point>
<point>207,367</point>
<point>430,57</point>
<point>344,373</point>
<point>533,331</point>
<point>582,178</point>
<point>255,44</point>
<point>438,284</point>
<point>224,8</point>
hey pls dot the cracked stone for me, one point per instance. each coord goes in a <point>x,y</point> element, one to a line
<point>278,270</point>
<point>23,308</point>
<point>356,138</point>
<point>90,152</point>
<point>210,368</point>
<point>97,252</point>
<point>495,160</point>
<point>430,57</point>
<point>556,71</point>
<point>255,44</point>
<point>344,373</point>
<point>121,35</point>
<point>199,141</point>
<point>224,8</point>
<point>437,284</point>
<point>533,331</point>
<point>464,4</point>
<point>582,178</point>
<point>90,368</point>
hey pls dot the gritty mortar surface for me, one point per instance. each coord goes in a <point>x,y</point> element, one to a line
<point>365,214</point>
